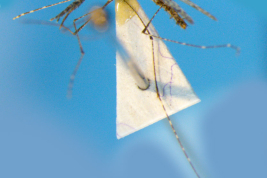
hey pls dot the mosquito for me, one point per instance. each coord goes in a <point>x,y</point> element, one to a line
<point>168,90</point>
<point>170,6</point>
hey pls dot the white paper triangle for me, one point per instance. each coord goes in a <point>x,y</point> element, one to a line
<point>136,108</point>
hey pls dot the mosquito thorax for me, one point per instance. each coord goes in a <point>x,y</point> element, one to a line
<point>99,19</point>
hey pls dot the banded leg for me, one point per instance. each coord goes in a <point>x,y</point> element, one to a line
<point>40,9</point>
<point>199,46</point>
<point>187,44</point>
<point>68,9</point>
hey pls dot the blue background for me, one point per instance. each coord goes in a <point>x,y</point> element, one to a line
<point>43,134</point>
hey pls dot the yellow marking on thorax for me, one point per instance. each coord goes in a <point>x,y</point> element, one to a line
<point>124,12</point>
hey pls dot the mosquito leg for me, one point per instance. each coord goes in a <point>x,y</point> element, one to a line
<point>40,9</point>
<point>199,46</point>
<point>145,31</point>
<point>77,31</point>
<point>73,75</point>
<point>81,27</point>
<point>65,18</point>
<point>146,26</point>
<point>82,16</point>
<point>107,3</point>
<point>71,7</point>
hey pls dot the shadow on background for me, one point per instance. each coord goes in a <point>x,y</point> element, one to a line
<point>236,132</point>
